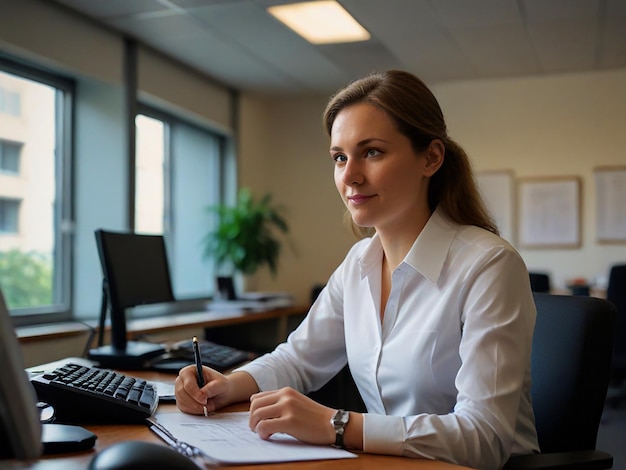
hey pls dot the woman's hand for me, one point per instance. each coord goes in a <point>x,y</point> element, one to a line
<point>191,399</point>
<point>219,390</point>
<point>291,412</point>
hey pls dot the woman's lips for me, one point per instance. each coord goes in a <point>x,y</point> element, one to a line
<point>359,199</point>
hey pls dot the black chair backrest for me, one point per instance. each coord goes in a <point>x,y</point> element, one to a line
<point>316,290</point>
<point>571,360</point>
<point>539,282</point>
<point>616,293</point>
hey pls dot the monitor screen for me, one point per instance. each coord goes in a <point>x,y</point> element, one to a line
<point>135,268</point>
<point>136,272</point>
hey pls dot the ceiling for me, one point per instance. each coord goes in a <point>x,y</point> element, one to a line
<point>238,43</point>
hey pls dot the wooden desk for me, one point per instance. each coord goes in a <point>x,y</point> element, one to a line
<point>110,434</point>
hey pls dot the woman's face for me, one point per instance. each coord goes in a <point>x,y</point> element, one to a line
<point>381,179</point>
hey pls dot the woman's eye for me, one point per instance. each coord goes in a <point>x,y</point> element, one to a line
<point>339,158</point>
<point>372,152</point>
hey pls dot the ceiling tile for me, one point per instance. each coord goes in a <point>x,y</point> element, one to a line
<point>456,14</point>
<point>616,7</point>
<point>159,30</point>
<point>613,49</point>
<point>498,51</point>
<point>551,10</point>
<point>112,8</point>
<point>565,46</point>
<point>393,15</point>
<point>261,36</point>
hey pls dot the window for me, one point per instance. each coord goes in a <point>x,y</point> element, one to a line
<point>180,170</point>
<point>10,102</point>
<point>35,115</point>
<point>150,174</point>
<point>9,215</point>
<point>10,156</point>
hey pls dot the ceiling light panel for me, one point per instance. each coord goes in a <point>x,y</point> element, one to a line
<point>320,22</point>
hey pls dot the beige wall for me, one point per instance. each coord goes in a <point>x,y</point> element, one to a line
<point>559,125</point>
<point>284,150</point>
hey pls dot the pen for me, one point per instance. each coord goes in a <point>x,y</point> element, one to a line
<point>199,373</point>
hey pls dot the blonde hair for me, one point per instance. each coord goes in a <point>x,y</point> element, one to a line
<point>417,114</point>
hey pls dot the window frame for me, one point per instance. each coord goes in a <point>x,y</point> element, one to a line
<point>64,189</point>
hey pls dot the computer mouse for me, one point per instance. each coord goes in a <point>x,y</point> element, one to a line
<point>140,455</point>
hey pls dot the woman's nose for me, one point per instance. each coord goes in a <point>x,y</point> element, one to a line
<point>352,172</point>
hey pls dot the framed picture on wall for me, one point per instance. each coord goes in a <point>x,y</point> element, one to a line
<point>549,214</point>
<point>610,183</point>
<point>497,188</point>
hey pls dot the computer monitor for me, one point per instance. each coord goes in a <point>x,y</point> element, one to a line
<point>20,429</point>
<point>26,430</point>
<point>135,272</point>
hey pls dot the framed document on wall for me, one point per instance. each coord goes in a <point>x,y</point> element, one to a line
<point>549,212</point>
<point>610,204</point>
<point>497,189</point>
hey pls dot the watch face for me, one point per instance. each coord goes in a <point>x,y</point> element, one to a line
<point>339,422</point>
<point>341,419</point>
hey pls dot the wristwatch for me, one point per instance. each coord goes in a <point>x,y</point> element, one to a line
<point>339,422</point>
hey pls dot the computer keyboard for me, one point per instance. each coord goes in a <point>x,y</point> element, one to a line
<point>90,395</point>
<point>216,356</point>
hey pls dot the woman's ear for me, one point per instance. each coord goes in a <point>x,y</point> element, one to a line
<point>435,154</point>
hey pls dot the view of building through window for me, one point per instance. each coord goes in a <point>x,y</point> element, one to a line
<point>27,192</point>
<point>150,171</point>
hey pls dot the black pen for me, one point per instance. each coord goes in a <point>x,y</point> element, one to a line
<point>199,373</point>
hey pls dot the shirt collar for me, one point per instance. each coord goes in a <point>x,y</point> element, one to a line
<point>428,253</point>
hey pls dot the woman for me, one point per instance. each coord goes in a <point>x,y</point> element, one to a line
<point>433,311</point>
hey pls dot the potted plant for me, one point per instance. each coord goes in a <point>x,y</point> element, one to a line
<point>246,236</point>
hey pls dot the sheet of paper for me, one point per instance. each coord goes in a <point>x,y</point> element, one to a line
<point>227,438</point>
<point>165,390</point>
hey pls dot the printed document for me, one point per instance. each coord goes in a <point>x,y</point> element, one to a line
<point>226,438</point>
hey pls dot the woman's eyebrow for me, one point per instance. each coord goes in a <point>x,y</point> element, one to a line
<point>362,143</point>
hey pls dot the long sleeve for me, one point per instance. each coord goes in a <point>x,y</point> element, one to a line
<point>315,351</point>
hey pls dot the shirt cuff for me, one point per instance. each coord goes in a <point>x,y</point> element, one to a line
<point>264,378</point>
<point>383,434</point>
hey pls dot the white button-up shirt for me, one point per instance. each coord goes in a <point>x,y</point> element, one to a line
<point>446,374</point>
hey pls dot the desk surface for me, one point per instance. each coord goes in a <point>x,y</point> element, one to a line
<point>110,434</point>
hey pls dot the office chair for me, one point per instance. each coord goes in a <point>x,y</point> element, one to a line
<point>539,282</point>
<point>616,294</point>
<point>570,368</point>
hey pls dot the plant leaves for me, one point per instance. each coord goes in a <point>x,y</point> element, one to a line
<point>246,235</point>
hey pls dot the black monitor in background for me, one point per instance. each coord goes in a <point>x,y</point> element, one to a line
<point>226,288</point>
<point>135,272</point>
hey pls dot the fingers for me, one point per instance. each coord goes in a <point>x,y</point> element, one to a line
<point>269,412</point>
<point>194,400</point>
<point>290,412</point>
<point>189,398</point>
